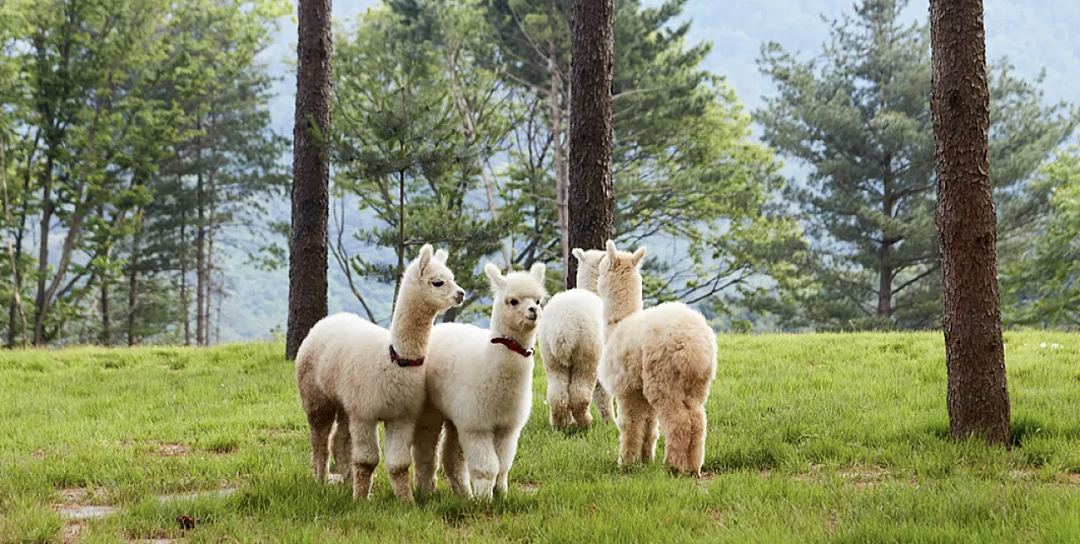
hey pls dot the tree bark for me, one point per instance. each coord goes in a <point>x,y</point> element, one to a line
<point>183,277</point>
<point>105,337</point>
<point>200,244</point>
<point>133,278</point>
<point>885,282</point>
<point>41,301</point>
<point>209,259</point>
<point>311,174</point>
<point>591,197</point>
<point>978,396</point>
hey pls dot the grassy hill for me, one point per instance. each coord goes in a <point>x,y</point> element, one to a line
<point>812,438</point>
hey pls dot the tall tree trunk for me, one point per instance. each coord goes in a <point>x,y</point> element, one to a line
<point>200,245</point>
<point>41,303</point>
<point>885,281</point>
<point>183,277</point>
<point>212,203</point>
<point>557,154</point>
<point>978,396</point>
<point>133,277</point>
<point>14,249</point>
<point>105,336</point>
<point>311,174</point>
<point>592,200</point>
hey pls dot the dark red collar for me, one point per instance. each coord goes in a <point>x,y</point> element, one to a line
<point>404,362</point>
<point>514,346</point>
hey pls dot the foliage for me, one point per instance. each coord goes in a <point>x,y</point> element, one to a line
<point>110,98</point>
<point>1043,287</point>
<point>858,116</point>
<point>400,150</point>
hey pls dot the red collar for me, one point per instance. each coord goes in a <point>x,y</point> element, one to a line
<point>514,346</point>
<point>404,362</point>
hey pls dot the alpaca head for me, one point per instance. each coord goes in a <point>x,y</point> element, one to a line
<point>516,298</point>
<point>588,270</point>
<point>619,284</point>
<point>429,282</point>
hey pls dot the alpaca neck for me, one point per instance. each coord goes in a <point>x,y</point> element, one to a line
<point>411,325</point>
<point>617,309</point>
<point>525,339</point>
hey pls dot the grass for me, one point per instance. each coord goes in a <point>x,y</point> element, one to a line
<point>816,438</point>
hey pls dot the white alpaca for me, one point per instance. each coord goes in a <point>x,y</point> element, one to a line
<point>359,373</point>
<point>571,339</point>
<point>480,386</point>
<point>659,363</point>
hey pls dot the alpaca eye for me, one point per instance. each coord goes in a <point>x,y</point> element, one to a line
<point>513,302</point>
<point>437,283</point>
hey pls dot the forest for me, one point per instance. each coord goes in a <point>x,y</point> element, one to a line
<point>146,170</point>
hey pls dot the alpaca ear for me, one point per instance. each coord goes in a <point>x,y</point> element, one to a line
<point>579,254</point>
<point>424,258</point>
<point>538,272</point>
<point>611,250</point>
<point>441,256</point>
<point>496,277</point>
<point>639,255</point>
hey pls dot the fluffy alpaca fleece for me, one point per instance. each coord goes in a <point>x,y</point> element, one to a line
<point>480,390</point>
<point>345,372</point>
<point>659,363</point>
<point>571,338</point>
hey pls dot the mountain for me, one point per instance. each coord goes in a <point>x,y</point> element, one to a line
<point>1035,35</point>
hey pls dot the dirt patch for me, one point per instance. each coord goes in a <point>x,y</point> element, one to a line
<point>160,449</point>
<point>717,518</point>
<point>530,488</point>
<point>70,532</point>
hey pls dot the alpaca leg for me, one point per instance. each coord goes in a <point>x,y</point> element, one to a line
<point>683,432</point>
<point>479,449</point>
<point>698,430</point>
<point>341,442</point>
<point>602,400</point>
<point>582,382</point>
<point>399,437</point>
<point>558,379</point>
<point>633,410</point>
<point>650,434</point>
<point>365,455</point>
<point>425,448</point>
<point>453,461</point>
<point>321,422</point>
<point>506,442</point>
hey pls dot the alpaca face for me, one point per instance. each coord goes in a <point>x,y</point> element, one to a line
<point>588,272</point>
<point>516,297</point>
<point>433,281</point>
<point>620,275</point>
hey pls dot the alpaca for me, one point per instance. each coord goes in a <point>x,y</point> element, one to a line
<point>659,363</point>
<point>479,385</point>
<point>571,338</point>
<point>358,373</point>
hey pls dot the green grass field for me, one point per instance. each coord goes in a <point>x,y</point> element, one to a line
<point>815,438</point>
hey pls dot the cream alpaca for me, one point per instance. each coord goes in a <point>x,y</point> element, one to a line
<point>659,363</point>
<point>359,373</point>
<point>479,385</point>
<point>571,338</point>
